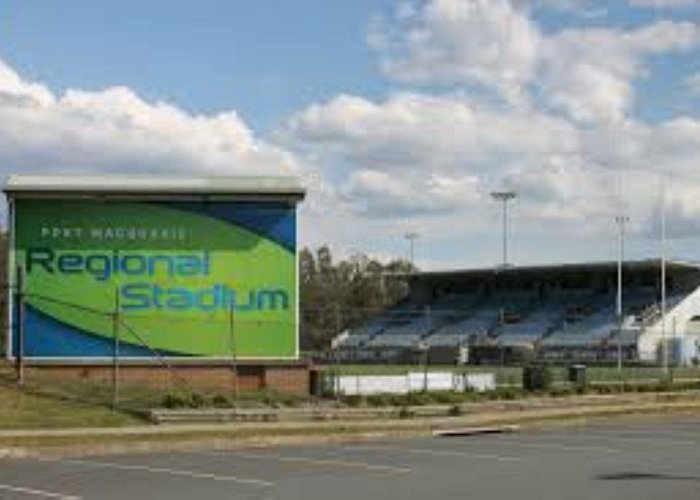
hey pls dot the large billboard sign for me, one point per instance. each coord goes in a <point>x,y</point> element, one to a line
<point>181,279</point>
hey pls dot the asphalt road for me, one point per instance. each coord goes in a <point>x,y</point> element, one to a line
<point>638,460</point>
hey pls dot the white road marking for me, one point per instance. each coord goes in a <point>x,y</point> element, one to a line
<point>438,453</point>
<point>162,470</point>
<point>564,447</point>
<point>37,493</point>
<point>679,433</point>
<point>635,440</point>
<point>316,461</point>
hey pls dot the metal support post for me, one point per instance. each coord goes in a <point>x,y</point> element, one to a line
<point>620,220</point>
<point>115,350</point>
<point>19,348</point>
<point>664,346</point>
<point>338,326</point>
<point>232,342</point>
<point>504,197</point>
<point>411,237</point>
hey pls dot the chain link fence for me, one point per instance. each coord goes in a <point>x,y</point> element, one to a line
<point>125,369</point>
<point>404,338</point>
<point>132,373</point>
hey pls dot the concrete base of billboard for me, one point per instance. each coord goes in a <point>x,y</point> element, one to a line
<point>289,377</point>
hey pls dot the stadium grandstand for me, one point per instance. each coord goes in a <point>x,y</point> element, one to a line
<point>559,312</point>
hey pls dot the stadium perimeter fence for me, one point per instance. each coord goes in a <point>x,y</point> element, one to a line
<point>599,357</point>
<point>109,386</point>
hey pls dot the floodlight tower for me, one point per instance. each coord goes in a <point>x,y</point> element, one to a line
<point>620,220</point>
<point>411,237</point>
<point>504,197</point>
<point>662,210</point>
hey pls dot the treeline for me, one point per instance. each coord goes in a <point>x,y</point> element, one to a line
<point>339,295</point>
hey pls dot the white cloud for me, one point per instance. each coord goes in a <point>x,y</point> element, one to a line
<point>380,194</point>
<point>692,82</point>
<point>663,4</point>
<point>422,154</point>
<point>116,130</point>
<point>417,131</point>
<point>434,159</point>
<point>589,73</point>
<point>452,41</point>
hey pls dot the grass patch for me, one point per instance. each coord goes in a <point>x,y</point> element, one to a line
<point>34,406</point>
<point>20,410</point>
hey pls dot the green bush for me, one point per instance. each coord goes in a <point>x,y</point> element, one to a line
<point>447,397</point>
<point>537,378</point>
<point>419,398</point>
<point>276,399</point>
<point>174,400</point>
<point>197,400</point>
<point>507,393</point>
<point>456,411</point>
<point>609,388</point>
<point>354,401</point>
<point>397,400</point>
<point>560,392</point>
<point>406,412</point>
<point>271,398</point>
<point>493,395</point>
<point>471,396</point>
<point>691,386</point>
<point>547,377</point>
<point>381,400</point>
<point>221,401</point>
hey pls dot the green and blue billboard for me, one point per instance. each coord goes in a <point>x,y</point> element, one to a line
<point>182,279</point>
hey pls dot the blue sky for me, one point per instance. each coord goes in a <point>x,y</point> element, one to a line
<point>265,59</point>
<point>400,116</point>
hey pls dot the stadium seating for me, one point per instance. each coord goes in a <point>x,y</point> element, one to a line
<point>531,328</point>
<point>579,316</point>
<point>456,332</point>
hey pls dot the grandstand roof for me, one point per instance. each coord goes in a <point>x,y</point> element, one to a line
<point>561,269</point>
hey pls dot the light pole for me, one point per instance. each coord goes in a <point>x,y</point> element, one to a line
<point>504,197</point>
<point>411,237</point>
<point>336,368</point>
<point>621,220</point>
<point>664,346</point>
<point>422,347</point>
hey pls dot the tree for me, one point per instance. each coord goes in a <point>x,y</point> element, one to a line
<point>338,296</point>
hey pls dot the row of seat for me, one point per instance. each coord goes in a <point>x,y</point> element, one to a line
<point>582,317</point>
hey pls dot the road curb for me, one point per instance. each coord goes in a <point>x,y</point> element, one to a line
<point>474,431</point>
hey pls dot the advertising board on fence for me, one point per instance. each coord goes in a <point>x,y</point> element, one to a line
<point>183,279</point>
<point>367,385</point>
